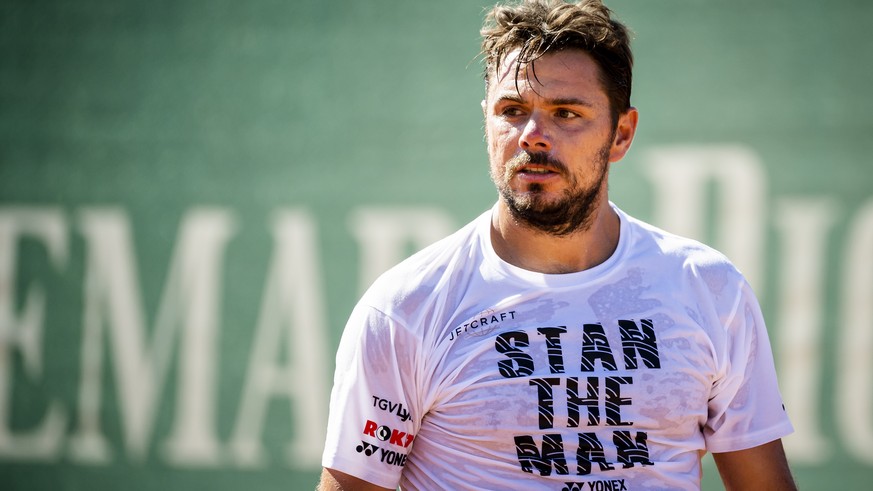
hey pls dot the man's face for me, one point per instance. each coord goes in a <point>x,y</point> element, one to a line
<point>550,140</point>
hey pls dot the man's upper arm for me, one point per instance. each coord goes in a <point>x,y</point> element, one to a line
<point>762,467</point>
<point>334,480</point>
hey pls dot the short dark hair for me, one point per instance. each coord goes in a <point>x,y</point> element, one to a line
<point>537,27</point>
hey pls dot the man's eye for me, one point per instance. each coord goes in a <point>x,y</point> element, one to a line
<point>566,114</point>
<point>511,111</point>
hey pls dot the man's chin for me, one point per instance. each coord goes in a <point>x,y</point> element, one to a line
<point>537,206</point>
<point>555,215</point>
<point>538,202</point>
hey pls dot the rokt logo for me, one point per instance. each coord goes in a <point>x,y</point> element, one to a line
<point>386,434</point>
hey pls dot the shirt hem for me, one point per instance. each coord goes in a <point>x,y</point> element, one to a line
<point>750,441</point>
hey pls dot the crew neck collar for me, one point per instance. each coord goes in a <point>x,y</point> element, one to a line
<point>511,271</point>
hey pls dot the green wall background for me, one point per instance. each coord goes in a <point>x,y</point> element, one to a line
<point>124,124</point>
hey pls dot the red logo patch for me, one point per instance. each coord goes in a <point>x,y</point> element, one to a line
<point>386,434</point>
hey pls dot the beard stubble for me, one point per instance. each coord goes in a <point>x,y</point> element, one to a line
<point>572,212</point>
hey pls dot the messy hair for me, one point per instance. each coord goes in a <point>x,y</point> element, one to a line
<point>538,27</point>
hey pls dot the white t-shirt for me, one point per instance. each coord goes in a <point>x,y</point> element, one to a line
<point>458,371</point>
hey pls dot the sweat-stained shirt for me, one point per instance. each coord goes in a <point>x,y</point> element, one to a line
<point>457,370</point>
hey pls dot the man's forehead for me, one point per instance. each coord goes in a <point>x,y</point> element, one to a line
<point>507,67</point>
<point>577,68</point>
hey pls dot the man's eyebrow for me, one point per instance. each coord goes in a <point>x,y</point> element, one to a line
<point>559,101</point>
<point>569,101</point>
<point>510,97</point>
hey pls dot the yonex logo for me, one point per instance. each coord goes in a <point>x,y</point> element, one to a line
<point>367,449</point>
<point>607,485</point>
<point>385,456</point>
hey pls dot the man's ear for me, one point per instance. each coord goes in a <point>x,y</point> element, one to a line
<point>625,130</point>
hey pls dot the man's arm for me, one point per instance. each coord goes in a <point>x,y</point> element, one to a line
<point>763,467</point>
<point>334,480</point>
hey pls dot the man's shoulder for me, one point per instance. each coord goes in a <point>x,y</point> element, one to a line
<point>424,272</point>
<point>684,252</point>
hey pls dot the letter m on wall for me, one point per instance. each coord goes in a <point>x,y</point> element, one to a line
<point>140,360</point>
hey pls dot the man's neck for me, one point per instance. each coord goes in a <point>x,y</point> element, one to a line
<point>535,250</point>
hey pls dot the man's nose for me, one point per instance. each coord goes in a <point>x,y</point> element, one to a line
<point>534,137</point>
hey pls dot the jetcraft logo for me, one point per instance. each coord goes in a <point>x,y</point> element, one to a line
<point>386,434</point>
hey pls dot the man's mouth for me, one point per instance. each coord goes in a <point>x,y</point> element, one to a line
<point>530,169</point>
<point>536,165</point>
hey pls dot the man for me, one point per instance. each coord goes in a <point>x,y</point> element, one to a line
<point>556,342</point>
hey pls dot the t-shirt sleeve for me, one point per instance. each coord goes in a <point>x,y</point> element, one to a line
<point>374,414</point>
<point>745,406</point>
